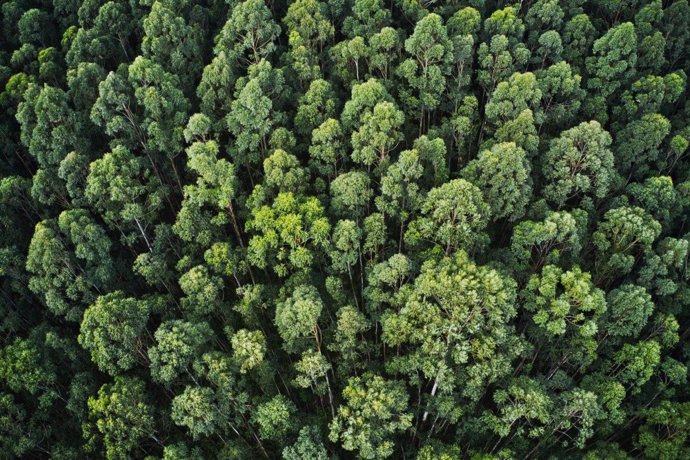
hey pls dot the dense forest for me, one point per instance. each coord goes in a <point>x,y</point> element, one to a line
<point>408,229</point>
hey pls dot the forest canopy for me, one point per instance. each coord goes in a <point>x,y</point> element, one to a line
<point>319,229</point>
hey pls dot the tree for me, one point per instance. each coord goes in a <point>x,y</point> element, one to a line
<point>378,134</point>
<point>561,95</point>
<point>181,451</point>
<point>549,50</point>
<point>347,55</point>
<point>351,194</point>
<point>664,432</point>
<point>639,142</point>
<point>433,155</point>
<point>579,164</point>
<point>676,39</point>
<point>202,291</point>
<point>164,106</point>
<point>375,410</point>
<point>308,19</point>
<point>208,204</point>
<point>612,63</point>
<point>125,193</point>
<point>647,95</point>
<point>512,97</point>
<point>283,173</point>
<point>327,148</point>
<point>14,439</point>
<point>512,111</point>
<point>113,331</point>
<point>308,29</point>
<point>498,59</point>
<point>177,345</point>
<point>633,365</point>
<point>400,192</point>
<point>252,114</point>
<point>463,27</point>
<point>426,69</point>
<point>579,413</point>
<point>578,37</point>
<point>288,235</point>
<point>216,88</point>
<point>106,37</point>
<point>346,250</point>
<point>384,47</point>
<point>348,341</point>
<point>171,42</point>
<point>23,368</point>
<point>316,106</point>
<point>453,216</point>
<point>368,18</point>
<point>311,369</point>
<point>543,15</point>
<point>524,408</point>
<point>121,416</point>
<point>273,417</point>
<point>70,263</point>
<point>554,240</point>
<point>48,130</point>
<point>248,349</point>
<point>505,22</point>
<point>363,99</point>
<point>384,279</point>
<point>629,307</point>
<point>564,301</point>
<point>454,328</point>
<point>658,196</point>
<point>620,237</point>
<point>297,318</point>
<point>308,445</point>
<point>503,176</point>
<point>195,410</point>
<point>249,33</point>
<point>115,112</point>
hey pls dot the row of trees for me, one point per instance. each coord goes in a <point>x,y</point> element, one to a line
<point>344,228</point>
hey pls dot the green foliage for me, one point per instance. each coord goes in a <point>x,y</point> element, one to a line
<point>503,176</point>
<point>579,165</point>
<point>22,367</point>
<point>622,234</point>
<point>454,323</point>
<point>379,133</point>
<point>665,430</point>
<point>297,317</point>
<point>249,348</point>
<point>344,228</point>
<point>194,409</point>
<point>374,411</point>
<point>249,33</point>
<point>548,241</point>
<point>563,301</point>
<point>288,233</point>
<point>69,263</point>
<point>273,417</point>
<point>252,113</point>
<point>112,331</point>
<point>629,308</point>
<point>177,345</point>
<point>453,216</point>
<point>308,445</point>
<point>121,416</point>
<point>425,70</point>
